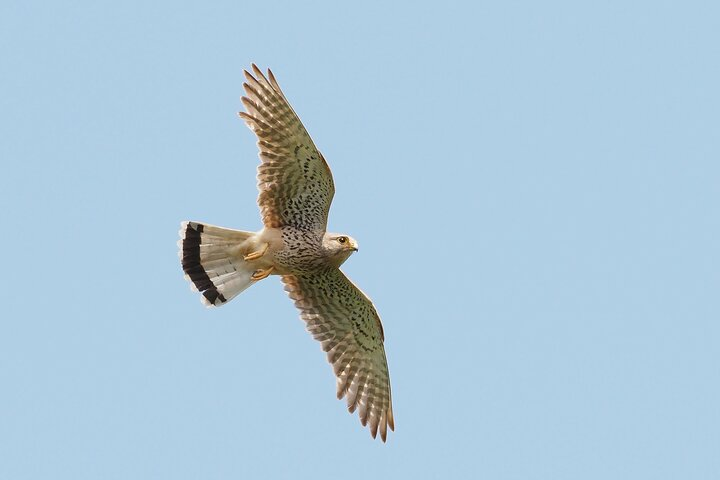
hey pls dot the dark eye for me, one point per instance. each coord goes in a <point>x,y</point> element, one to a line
<point>342,239</point>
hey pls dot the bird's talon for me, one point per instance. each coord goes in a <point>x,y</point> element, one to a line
<point>260,274</point>
<point>256,255</point>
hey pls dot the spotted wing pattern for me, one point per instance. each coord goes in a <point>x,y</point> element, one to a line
<point>295,183</point>
<point>346,324</point>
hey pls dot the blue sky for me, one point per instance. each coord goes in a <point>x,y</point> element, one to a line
<point>535,187</point>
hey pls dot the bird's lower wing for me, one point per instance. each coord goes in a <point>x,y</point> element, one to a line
<point>346,324</point>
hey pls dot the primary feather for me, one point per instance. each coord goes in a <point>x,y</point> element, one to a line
<point>296,189</point>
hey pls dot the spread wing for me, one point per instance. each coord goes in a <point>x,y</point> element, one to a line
<point>295,183</point>
<point>346,324</point>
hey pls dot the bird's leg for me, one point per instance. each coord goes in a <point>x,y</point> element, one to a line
<point>260,274</point>
<point>256,255</point>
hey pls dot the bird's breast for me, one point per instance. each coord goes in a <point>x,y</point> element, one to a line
<point>301,251</point>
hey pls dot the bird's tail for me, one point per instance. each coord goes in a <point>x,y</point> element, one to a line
<point>212,261</point>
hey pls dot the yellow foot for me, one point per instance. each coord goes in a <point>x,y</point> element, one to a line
<point>260,274</point>
<point>256,255</point>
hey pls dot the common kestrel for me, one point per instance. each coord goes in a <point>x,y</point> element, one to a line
<point>296,189</point>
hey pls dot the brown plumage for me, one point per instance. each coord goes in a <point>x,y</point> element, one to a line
<point>296,189</point>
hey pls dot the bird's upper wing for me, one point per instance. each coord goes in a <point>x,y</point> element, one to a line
<point>345,322</point>
<point>295,183</point>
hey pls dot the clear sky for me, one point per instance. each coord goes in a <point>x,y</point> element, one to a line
<point>534,186</point>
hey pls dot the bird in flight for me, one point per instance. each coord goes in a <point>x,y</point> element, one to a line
<point>296,189</point>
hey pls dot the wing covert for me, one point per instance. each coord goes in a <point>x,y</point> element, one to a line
<point>295,183</point>
<point>346,324</point>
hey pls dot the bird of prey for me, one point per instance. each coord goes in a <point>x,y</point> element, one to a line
<point>296,188</point>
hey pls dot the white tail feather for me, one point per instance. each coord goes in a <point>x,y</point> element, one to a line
<point>212,261</point>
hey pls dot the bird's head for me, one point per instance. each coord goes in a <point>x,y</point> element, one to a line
<point>339,247</point>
